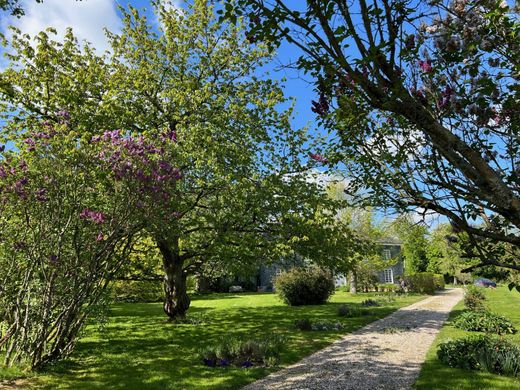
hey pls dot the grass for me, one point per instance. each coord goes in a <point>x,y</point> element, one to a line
<point>435,375</point>
<point>138,350</point>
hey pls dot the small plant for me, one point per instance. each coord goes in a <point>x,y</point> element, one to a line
<point>242,352</point>
<point>474,298</point>
<point>307,325</point>
<point>343,311</point>
<point>482,353</point>
<point>483,321</point>
<point>370,303</point>
<point>305,286</point>
<point>303,324</point>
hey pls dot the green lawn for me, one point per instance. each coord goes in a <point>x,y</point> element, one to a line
<point>139,350</point>
<point>435,375</point>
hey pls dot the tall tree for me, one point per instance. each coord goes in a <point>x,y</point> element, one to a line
<point>414,247</point>
<point>423,99</point>
<point>215,163</point>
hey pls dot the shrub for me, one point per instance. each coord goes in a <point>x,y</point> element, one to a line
<point>388,287</point>
<point>422,282</point>
<point>484,321</point>
<point>474,298</point>
<point>306,325</point>
<point>483,353</point>
<point>137,291</point>
<point>303,324</point>
<point>304,286</point>
<point>438,280</point>
<point>343,311</point>
<point>243,352</point>
<point>370,302</point>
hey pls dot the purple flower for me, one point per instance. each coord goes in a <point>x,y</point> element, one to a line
<point>247,364</point>
<point>41,195</point>
<point>223,363</point>
<point>426,66</point>
<point>210,362</point>
<point>318,158</point>
<point>93,216</point>
<point>53,259</point>
<point>64,114</point>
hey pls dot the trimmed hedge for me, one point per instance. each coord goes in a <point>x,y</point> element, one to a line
<point>422,282</point>
<point>482,353</point>
<point>304,286</point>
<point>137,291</point>
<point>483,321</point>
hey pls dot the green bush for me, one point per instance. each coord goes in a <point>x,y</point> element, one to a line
<point>306,324</point>
<point>474,298</point>
<point>240,351</point>
<point>387,287</point>
<point>343,311</point>
<point>483,321</point>
<point>422,282</point>
<point>137,291</point>
<point>438,280</point>
<point>483,353</point>
<point>370,302</point>
<point>304,286</point>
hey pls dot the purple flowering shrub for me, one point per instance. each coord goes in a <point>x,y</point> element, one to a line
<point>66,229</point>
<point>244,353</point>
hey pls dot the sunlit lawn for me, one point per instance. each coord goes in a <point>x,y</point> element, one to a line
<point>139,350</point>
<point>435,375</point>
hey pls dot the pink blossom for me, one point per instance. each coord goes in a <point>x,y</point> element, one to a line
<point>100,237</point>
<point>94,216</point>
<point>426,66</point>
<point>319,158</point>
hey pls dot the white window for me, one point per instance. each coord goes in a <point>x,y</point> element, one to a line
<point>388,275</point>
<point>387,254</point>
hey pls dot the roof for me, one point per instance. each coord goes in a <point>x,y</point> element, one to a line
<point>390,241</point>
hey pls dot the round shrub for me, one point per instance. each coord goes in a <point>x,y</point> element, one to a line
<point>482,353</point>
<point>304,286</point>
<point>483,321</point>
<point>474,298</point>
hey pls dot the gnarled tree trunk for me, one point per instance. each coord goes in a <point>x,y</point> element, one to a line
<point>176,299</point>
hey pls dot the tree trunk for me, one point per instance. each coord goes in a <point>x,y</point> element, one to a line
<point>353,282</point>
<point>176,299</point>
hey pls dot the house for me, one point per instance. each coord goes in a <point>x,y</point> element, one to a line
<point>390,249</point>
<point>265,274</point>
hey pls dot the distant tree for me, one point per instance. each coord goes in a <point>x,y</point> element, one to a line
<point>443,253</point>
<point>422,98</point>
<point>414,247</point>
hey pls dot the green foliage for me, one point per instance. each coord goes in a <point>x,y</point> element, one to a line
<point>414,247</point>
<point>306,324</point>
<point>423,282</point>
<point>444,256</point>
<point>387,287</point>
<point>343,311</point>
<point>407,136</point>
<point>244,352</point>
<point>305,286</point>
<point>474,298</point>
<point>438,279</point>
<point>484,321</point>
<point>484,353</point>
<point>137,291</point>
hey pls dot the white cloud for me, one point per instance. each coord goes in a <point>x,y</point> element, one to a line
<point>87,18</point>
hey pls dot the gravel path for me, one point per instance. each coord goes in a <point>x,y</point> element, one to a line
<point>386,354</point>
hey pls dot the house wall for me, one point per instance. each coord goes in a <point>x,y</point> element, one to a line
<point>398,267</point>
